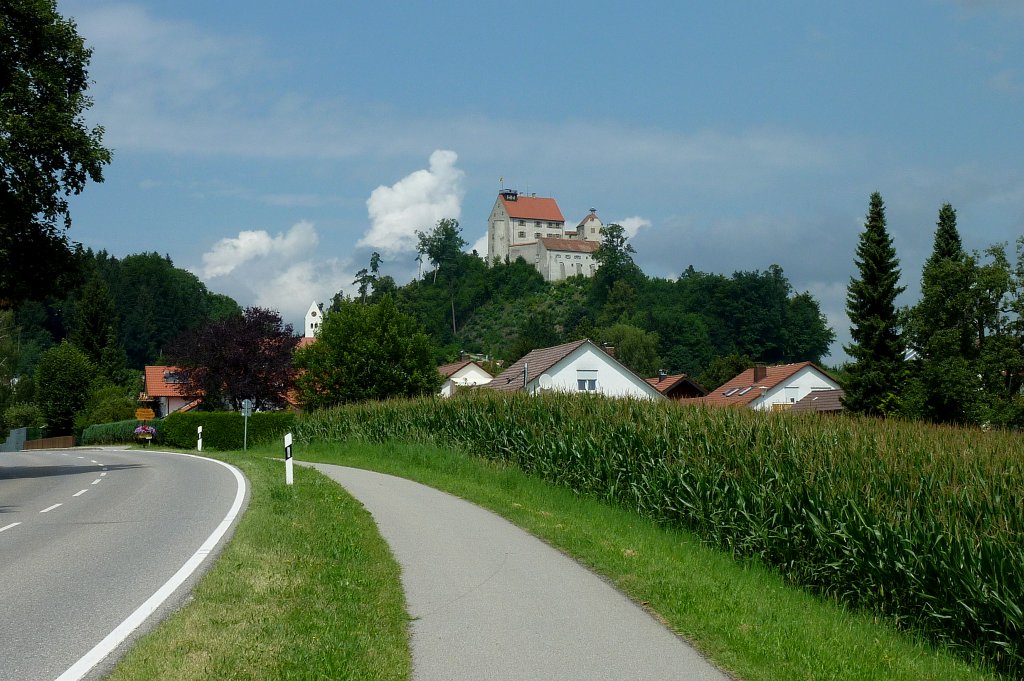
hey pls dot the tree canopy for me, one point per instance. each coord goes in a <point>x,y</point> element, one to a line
<point>365,352</point>
<point>47,151</point>
<point>244,356</point>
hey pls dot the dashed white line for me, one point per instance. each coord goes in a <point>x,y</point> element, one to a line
<point>102,474</point>
<point>79,457</point>
<point>80,492</point>
<point>50,508</point>
<point>7,527</point>
<point>94,461</point>
<point>96,481</point>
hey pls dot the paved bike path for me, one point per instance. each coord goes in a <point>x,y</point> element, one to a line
<point>490,601</point>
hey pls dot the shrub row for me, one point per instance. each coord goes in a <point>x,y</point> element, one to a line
<point>223,430</point>
<point>118,432</point>
<point>921,524</point>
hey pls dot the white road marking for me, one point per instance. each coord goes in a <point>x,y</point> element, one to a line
<point>50,508</point>
<point>93,461</point>
<point>80,492</point>
<point>135,620</point>
<point>79,457</point>
<point>96,481</point>
<point>7,527</point>
<point>102,474</point>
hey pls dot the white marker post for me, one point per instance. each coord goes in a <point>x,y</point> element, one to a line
<point>199,446</point>
<point>288,458</point>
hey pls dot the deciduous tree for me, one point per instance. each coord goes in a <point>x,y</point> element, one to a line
<point>64,378</point>
<point>244,356</point>
<point>47,151</point>
<point>365,352</point>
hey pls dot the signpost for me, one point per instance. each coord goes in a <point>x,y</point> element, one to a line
<point>200,445</point>
<point>246,413</point>
<point>144,414</point>
<point>288,458</point>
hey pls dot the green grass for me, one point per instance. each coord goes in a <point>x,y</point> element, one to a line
<point>306,589</point>
<point>741,615</point>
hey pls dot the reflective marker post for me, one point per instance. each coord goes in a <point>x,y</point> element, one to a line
<point>200,445</point>
<point>288,458</point>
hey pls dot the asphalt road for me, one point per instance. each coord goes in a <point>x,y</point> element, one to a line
<point>87,537</point>
<point>488,601</point>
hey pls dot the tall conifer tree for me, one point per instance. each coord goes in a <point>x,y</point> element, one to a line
<point>876,374</point>
<point>941,328</point>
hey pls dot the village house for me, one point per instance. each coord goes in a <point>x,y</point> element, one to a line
<point>677,387</point>
<point>775,388</point>
<point>166,390</point>
<point>577,367</point>
<point>461,375</point>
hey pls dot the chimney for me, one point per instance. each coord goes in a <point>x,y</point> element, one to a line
<point>760,372</point>
<point>661,375</point>
<point>610,349</point>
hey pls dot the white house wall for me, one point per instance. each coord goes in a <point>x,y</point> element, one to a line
<point>613,380</point>
<point>470,375</point>
<point>794,389</point>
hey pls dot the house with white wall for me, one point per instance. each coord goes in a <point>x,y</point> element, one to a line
<point>577,367</point>
<point>462,374</point>
<point>775,388</point>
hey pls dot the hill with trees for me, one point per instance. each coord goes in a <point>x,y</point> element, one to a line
<point>680,325</point>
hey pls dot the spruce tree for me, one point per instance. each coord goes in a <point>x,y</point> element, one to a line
<point>875,377</point>
<point>941,328</point>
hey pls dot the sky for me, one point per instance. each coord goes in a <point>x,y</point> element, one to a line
<point>271,147</point>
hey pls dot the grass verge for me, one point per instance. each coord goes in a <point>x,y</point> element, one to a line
<point>742,616</point>
<point>305,589</point>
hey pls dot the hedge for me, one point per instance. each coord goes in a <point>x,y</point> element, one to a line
<point>223,430</point>
<point>118,432</point>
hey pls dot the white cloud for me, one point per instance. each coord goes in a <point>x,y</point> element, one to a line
<point>633,225</point>
<point>416,202</point>
<point>229,254</point>
<point>279,272</point>
<point>480,246</point>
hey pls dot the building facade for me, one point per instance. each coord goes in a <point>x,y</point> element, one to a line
<point>533,228</point>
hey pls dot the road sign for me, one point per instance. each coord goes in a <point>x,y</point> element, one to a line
<point>246,407</point>
<point>144,414</point>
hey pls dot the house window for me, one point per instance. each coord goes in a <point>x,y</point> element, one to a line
<point>586,380</point>
<point>577,257</point>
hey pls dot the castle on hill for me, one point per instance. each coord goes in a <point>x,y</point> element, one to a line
<point>533,228</point>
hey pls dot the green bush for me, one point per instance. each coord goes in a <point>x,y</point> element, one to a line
<point>918,523</point>
<point>223,430</point>
<point>117,432</point>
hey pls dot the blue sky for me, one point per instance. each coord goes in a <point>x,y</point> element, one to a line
<point>270,147</point>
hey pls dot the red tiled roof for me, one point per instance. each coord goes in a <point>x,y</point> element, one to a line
<point>157,384</point>
<point>304,341</point>
<point>574,245</point>
<point>533,208</point>
<point>668,383</point>
<point>744,389</point>
<point>588,218</point>
<point>821,400</point>
<point>447,370</point>
<point>539,361</point>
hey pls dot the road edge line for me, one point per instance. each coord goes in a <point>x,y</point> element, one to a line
<point>115,638</point>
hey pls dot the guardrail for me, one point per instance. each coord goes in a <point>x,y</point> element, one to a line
<point>51,442</point>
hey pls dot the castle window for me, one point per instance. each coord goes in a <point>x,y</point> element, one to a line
<point>522,223</point>
<point>536,235</point>
<point>522,235</point>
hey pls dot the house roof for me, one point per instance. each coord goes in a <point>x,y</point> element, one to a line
<point>304,341</point>
<point>590,216</point>
<point>532,208</point>
<point>665,384</point>
<point>448,370</point>
<point>158,385</point>
<point>538,362</point>
<point>573,245</point>
<point>821,400</point>
<point>742,389</point>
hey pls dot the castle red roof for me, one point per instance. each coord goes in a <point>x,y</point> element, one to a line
<point>532,208</point>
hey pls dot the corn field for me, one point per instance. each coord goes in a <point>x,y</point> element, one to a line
<point>921,524</point>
